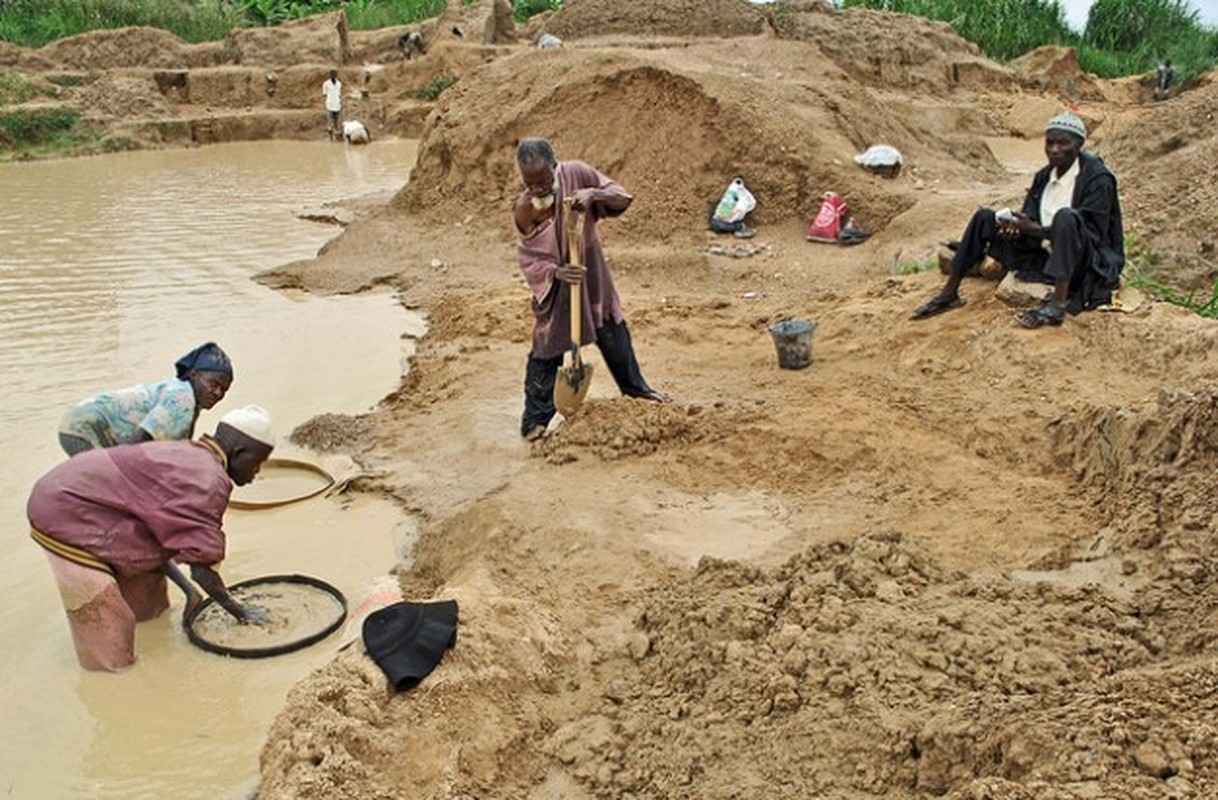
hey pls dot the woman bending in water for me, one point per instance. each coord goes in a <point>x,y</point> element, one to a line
<point>162,410</point>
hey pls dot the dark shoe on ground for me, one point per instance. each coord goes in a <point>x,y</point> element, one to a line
<point>535,433</point>
<point>745,232</point>
<point>936,306</point>
<point>851,234</point>
<point>1048,314</point>
<point>847,239</point>
<point>653,396</point>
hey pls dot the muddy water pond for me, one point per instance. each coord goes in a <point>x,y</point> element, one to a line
<point>110,268</point>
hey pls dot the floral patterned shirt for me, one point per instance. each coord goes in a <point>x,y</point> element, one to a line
<point>165,409</point>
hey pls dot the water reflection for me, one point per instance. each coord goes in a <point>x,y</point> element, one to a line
<point>110,268</point>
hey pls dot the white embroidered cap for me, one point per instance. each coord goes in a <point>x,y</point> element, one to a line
<point>253,421</point>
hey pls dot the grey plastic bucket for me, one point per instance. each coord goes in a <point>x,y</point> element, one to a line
<point>793,338</point>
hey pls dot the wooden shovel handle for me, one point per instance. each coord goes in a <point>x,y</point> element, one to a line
<point>573,254</point>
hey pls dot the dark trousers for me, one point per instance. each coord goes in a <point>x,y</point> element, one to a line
<point>1069,259</point>
<point>613,340</point>
<point>720,226</point>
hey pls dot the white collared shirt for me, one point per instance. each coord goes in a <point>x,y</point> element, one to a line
<point>333,92</point>
<point>1058,194</point>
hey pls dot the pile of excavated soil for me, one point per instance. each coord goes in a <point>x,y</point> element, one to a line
<point>1157,159</point>
<point>643,18</point>
<point>858,668</point>
<point>332,432</point>
<point>1155,462</point>
<point>893,51</point>
<point>631,429</point>
<point>117,95</point>
<point>1056,69</point>
<point>112,49</point>
<point>673,125</point>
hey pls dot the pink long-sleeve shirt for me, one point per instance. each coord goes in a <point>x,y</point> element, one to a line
<point>540,252</point>
<point>138,506</point>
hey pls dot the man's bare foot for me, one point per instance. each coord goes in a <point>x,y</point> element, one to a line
<point>535,433</point>
<point>193,601</point>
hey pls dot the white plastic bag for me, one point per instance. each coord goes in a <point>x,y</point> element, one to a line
<point>737,201</point>
<point>879,155</point>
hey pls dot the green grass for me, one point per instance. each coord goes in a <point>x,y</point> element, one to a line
<point>1122,37</point>
<point>369,15</point>
<point>33,23</point>
<point>914,267</point>
<point>527,8</point>
<point>1145,271</point>
<point>34,131</point>
<point>32,125</point>
<point>433,90</point>
<point>69,80</point>
<point>15,88</point>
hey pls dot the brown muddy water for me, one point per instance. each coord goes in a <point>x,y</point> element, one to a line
<point>110,268</point>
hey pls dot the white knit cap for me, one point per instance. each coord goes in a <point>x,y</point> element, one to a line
<point>253,421</point>
<point>1068,122</point>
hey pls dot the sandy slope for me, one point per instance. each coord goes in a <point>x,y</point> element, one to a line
<point>953,557</point>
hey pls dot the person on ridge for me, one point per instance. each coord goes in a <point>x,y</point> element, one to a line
<point>1165,76</point>
<point>537,217</point>
<point>113,521</point>
<point>165,409</point>
<point>332,91</point>
<point>1068,233</point>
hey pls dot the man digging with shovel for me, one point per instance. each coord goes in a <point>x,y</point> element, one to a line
<point>554,193</point>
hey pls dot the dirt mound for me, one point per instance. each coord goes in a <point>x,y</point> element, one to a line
<point>888,50</point>
<point>320,40</point>
<point>583,19</point>
<point>673,124</point>
<point>332,432</point>
<point>628,428</point>
<point>857,668</point>
<point>10,54</point>
<point>114,95</point>
<point>1155,463</point>
<point>121,47</point>
<point>1157,158</point>
<point>1056,69</point>
<point>777,682</point>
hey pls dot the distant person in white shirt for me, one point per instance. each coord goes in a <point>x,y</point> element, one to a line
<point>354,132</point>
<point>332,91</point>
<point>1073,208</point>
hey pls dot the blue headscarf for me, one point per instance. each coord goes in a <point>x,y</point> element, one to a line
<point>204,358</point>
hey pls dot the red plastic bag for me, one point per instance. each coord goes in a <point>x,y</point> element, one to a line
<point>828,222</point>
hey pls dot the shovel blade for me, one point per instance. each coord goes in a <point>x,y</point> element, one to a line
<point>571,387</point>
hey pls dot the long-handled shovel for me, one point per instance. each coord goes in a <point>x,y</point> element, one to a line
<point>571,385</point>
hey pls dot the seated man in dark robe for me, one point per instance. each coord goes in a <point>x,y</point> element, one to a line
<point>1068,233</point>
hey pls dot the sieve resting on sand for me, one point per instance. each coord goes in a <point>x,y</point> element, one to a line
<point>282,481</point>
